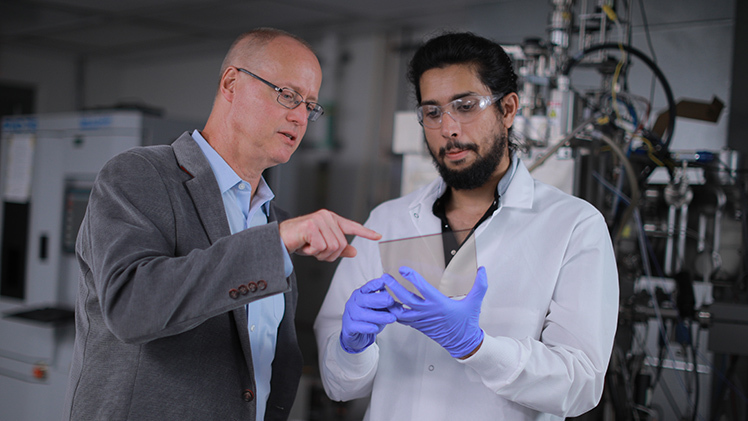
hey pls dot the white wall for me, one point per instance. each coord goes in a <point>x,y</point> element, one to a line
<point>693,44</point>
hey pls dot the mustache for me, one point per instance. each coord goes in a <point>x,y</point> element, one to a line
<point>453,144</point>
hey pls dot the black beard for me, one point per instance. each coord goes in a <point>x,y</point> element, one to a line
<point>477,174</point>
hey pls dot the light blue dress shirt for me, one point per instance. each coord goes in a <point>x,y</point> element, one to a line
<point>264,316</point>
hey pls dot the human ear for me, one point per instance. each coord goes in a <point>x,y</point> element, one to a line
<point>510,105</point>
<point>227,86</point>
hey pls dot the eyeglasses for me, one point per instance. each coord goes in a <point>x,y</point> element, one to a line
<point>462,110</point>
<point>290,99</point>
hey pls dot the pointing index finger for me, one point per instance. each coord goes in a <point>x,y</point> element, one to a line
<point>354,228</point>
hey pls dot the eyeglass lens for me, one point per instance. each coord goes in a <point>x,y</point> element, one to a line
<point>291,99</point>
<point>462,110</point>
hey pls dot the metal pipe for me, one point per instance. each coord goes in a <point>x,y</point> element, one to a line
<point>682,228</point>
<point>721,201</point>
<point>701,240</point>
<point>670,240</point>
<point>561,143</point>
<point>629,169</point>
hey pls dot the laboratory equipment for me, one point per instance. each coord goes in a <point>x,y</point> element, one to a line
<point>47,168</point>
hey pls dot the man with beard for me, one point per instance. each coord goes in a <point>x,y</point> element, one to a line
<point>532,339</point>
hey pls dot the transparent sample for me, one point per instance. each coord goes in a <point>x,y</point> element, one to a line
<point>425,255</point>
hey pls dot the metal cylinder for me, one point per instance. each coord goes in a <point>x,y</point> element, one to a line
<point>559,23</point>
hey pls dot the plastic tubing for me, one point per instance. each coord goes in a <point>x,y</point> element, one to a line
<point>576,58</point>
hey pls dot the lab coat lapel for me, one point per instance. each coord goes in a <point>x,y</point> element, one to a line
<point>520,192</point>
<point>419,209</point>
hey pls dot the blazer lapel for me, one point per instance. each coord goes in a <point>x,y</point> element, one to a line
<point>203,187</point>
<point>206,197</point>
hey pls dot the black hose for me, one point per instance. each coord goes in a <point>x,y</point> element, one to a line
<point>697,392</point>
<point>576,58</point>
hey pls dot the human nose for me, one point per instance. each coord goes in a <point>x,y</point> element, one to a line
<point>450,126</point>
<point>299,115</point>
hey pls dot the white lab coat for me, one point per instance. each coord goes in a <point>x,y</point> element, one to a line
<point>549,315</point>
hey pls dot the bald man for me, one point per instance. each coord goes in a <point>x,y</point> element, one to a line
<point>187,292</point>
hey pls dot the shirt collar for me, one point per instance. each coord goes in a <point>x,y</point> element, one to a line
<point>226,177</point>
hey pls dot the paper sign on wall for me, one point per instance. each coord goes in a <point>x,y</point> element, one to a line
<point>19,164</point>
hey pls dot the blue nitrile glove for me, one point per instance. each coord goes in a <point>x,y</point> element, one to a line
<point>453,324</point>
<point>366,314</point>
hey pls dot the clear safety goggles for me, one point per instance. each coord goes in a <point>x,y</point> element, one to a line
<point>462,110</point>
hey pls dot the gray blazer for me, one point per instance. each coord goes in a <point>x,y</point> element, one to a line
<point>161,327</point>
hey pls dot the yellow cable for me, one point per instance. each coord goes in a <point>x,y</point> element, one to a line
<point>610,12</point>
<point>650,152</point>
<point>612,16</point>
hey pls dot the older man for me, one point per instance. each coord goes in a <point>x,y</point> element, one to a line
<point>187,295</point>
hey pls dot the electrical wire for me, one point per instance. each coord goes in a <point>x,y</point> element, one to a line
<point>574,60</point>
<point>671,400</point>
<point>646,30</point>
<point>633,116</point>
<point>540,161</point>
<point>614,83</point>
<point>693,402</point>
<point>651,151</point>
<point>652,255</point>
<point>649,287</point>
<point>658,314</point>
<point>633,183</point>
<point>627,381</point>
<point>651,47</point>
<point>665,389</point>
<point>696,382</point>
<point>645,246</point>
<point>725,378</point>
<point>629,170</point>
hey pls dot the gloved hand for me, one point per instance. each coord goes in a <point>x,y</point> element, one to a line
<point>366,314</point>
<point>453,324</point>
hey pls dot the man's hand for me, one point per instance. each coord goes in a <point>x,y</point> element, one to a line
<point>322,234</point>
<point>366,314</point>
<point>453,324</point>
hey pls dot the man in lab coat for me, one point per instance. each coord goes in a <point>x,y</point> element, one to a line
<point>532,339</point>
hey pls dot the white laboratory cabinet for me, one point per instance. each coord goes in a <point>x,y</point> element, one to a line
<point>48,163</point>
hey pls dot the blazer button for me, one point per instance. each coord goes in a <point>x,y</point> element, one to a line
<point>233,293</point>
<point>262,284</point>
<point>243,289</point>
<point>252,287</point>
<point>248,395</point>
